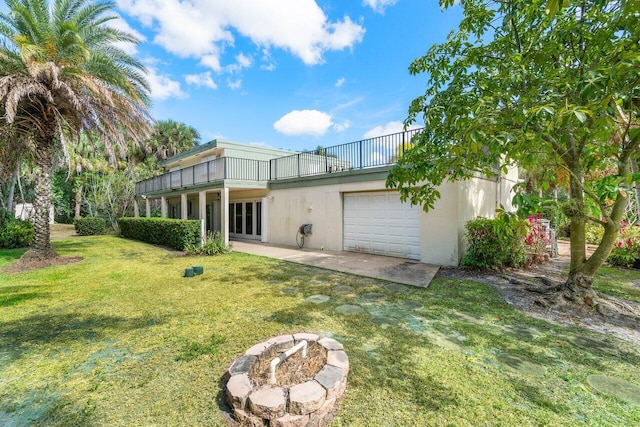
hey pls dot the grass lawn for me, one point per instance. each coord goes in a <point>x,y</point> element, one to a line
<point>619,282</point>
<point>121,339</point>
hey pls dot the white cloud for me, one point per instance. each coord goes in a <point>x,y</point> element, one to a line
<point>340,82</point>
<point>203,28</point>
<point>121,25</point>
<point>234,84</point>
<point>304,122</point>
<point>162,86</point>
<point>341,127</point>
<point>242,61</point>
<point>203,79</point>
<point>379,5</point>
<point>268,64</point>
<point>389,128</point>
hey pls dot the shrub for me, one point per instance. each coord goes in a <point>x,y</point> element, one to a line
<point>626,251</point>
<point>90,226</point>
<point>174,233</point>
<point>537,240</point>
<point>213,245</point>
<point>14,233</point>
<point>593,233</point>
<point>495,243</point>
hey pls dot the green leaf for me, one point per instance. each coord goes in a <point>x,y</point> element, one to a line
<point>580,116</point>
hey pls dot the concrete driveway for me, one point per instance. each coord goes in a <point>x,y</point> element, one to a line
<point>398,270</point>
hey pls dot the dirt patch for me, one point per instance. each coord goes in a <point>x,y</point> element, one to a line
<point>294,370</point>
<point>509,284</point>
<point>33,264</point>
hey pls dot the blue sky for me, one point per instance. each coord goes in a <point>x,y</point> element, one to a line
<point>290,74</point>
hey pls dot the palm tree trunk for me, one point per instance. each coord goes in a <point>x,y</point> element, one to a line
<point>41,246</point>
<point>12,188</point>
<point>78,200</point>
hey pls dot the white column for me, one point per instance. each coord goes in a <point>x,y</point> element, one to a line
<point>136,208</point>
<point>202,212</point>
<point>163,206</point>
<point>184,209</point>
<point>147,207</point>
<point>264,238</point>
<point>224,214</point>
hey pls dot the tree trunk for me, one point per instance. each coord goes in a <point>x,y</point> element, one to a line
<point>12,189</point>
<point>78,201</point>
<point>579,289</point>
<point>579,285</point>
<point>636,188</point>
<point>41,246</point>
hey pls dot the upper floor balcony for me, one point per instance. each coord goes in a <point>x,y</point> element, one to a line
<point>367,153</point>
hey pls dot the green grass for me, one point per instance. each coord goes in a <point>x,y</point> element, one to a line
<point>122,339</point>
<point>619,282</point>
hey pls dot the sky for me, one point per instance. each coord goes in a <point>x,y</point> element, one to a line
<point>292,74</point>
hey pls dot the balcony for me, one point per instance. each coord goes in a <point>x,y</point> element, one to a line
<point>215,170</point>
<point>367,153</point>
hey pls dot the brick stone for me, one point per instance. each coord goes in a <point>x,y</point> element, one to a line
<point>282,342</point>
<point>339,359</point>
<point>332,379</point>
<point>306,397</point>
<point>238,389</point>
<point>330,344</point>
<point>303,336</point>
<point>268,402</point>
<point>244,418</point>
<point>242,365</point>
<point>324,414</point>
<point>258,349</point>
<point>290,421</point>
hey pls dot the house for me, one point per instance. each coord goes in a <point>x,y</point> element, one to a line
<point>252,192</point>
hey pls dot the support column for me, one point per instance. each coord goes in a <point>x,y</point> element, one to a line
<point>147,207</point>
<point>184,208</point>
<point>264,237</point>
<point>224,214</point>
<point>202,211</point>
<point>136,208</point>
<point>163,206</point>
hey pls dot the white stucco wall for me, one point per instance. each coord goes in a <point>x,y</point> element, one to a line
<point>322,206</point>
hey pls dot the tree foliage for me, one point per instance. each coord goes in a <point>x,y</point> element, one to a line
<point>514,85</point>
<point>62,72</point>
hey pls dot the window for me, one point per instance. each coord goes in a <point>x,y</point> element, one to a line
<point>232,215</point>
<point>248,229</point>
<point>239,218</point>
<point>259,218</point>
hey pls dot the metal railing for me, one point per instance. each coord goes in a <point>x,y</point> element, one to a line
<point>379,151</point>
<point>214,170</point>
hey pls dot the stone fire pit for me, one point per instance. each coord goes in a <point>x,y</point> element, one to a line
<point>306,392</point>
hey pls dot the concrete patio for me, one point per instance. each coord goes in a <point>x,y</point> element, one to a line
<point>397,270</point>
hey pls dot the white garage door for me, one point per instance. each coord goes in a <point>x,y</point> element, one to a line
<point>378,223</point>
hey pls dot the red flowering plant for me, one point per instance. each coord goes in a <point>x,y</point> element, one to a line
<point>538,239</point>
<point>626,250</point>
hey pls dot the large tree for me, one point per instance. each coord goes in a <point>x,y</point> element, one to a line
<point>62,72</point>
<point>514,85</point>
<point>170,138</point>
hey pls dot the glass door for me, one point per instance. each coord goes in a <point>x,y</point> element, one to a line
<point>245,219</point>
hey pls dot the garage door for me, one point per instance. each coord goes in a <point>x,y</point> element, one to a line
<point>378,223</point>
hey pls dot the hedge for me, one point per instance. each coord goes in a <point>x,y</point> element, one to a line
<point>14,233</point>
<point>175,233</point>
<point>90,226</point>
<point>495,243</point>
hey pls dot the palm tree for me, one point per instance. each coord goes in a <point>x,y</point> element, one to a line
<point>63,73</point>
<point>170,138</point>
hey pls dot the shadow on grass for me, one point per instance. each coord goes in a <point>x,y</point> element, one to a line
<point>43,332</point>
